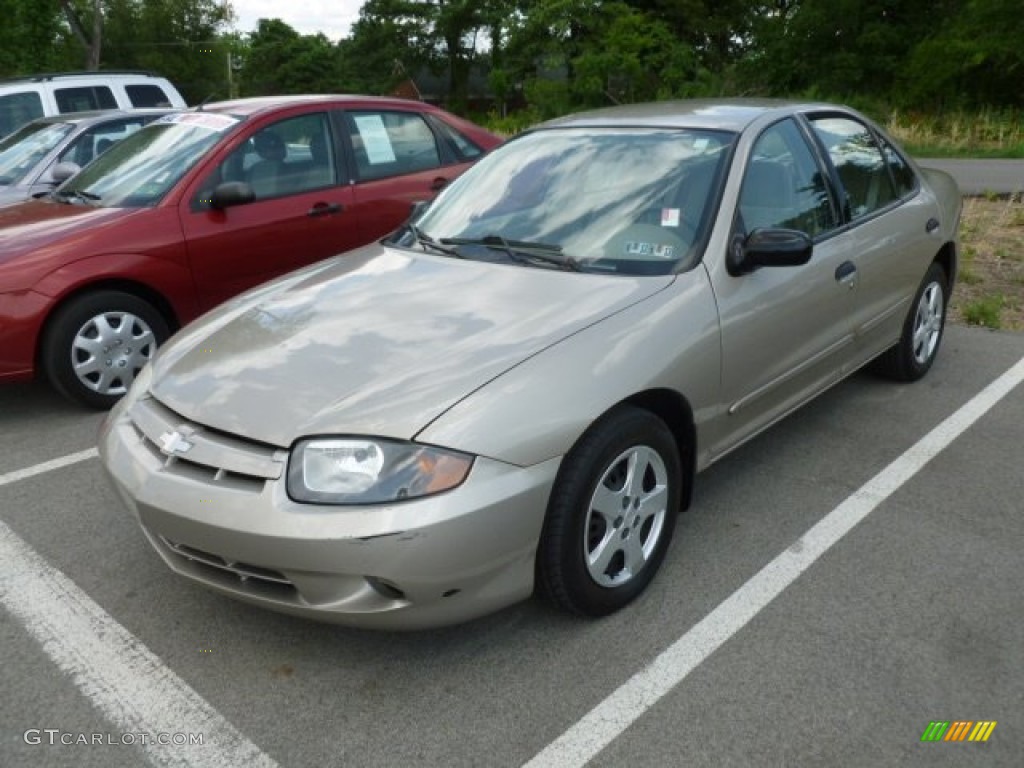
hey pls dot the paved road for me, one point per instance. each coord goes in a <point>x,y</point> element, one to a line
<point>976,177</point>
<point>913,616</point>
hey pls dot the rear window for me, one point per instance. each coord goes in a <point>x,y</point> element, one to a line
<point>147,96</point>
<point>16,109</point>
<point>84,98</point>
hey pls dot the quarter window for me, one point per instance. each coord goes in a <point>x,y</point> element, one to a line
<point>858,160</point>
<point>783,186</point>
<point>391,143</point>
<point>904,178</point>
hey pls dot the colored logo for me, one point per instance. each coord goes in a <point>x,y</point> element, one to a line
<point>958,730</point>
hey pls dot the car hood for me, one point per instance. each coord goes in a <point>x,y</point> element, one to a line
<point>31,226</point>
<point>378,342</point>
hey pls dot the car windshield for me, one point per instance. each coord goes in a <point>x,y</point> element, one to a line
<point>139,170</point>
<point>23,149</point>
<point>631,201</point>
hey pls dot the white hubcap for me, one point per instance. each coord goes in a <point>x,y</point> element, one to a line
<point>109,350</point>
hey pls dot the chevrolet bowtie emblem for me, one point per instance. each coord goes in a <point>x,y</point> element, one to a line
<point>173,442</point>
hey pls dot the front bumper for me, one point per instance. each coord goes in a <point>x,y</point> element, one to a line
<point>428,562</point>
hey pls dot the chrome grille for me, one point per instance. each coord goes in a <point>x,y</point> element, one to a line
<point>210,456</point>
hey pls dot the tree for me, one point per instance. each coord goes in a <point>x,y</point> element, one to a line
<point>280,60</point>
<point>30,37</point>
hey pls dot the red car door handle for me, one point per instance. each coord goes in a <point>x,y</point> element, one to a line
<point>324,209</point>
<point>439,183</point>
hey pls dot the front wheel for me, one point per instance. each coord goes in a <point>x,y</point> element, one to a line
<point>96,344</point>
<point>611,514</point>
<point>911,357</point>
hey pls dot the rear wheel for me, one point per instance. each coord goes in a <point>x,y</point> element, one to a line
<point>611,514</point>
<point>96,344</point>
<point>911,357</point>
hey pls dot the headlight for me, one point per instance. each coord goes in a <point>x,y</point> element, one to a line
<point>356,470</point>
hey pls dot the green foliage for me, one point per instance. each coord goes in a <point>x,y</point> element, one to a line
<point>985,311</point>
<point>959,60</point>
<point>280,60</point>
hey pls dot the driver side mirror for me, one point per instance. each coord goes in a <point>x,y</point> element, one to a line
<point>63,171</point>
<point>768,248</point>
<point>230,193</point>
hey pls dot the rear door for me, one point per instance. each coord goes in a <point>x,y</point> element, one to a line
<point>302,212</point>
<point>893,227</point>
<point>398,159</point>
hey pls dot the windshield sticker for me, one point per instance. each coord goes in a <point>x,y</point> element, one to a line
<point>670,217</point>
<point>700,144</point>
<point>375,138</point>
<point>208,120</point>
<point>657,250</point>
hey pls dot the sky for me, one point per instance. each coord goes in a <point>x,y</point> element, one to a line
<point>332,17</point>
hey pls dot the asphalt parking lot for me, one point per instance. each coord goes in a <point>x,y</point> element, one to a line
<point>912,616</point>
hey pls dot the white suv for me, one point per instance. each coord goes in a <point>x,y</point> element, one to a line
<point>26,98</point>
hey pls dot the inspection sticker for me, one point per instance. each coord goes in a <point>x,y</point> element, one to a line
<point>657,250</point>
<point>670,217</point>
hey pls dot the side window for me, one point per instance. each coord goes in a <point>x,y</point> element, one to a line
<point>285,158</point>
<point>461,145</point>
<point>16,109</point>
<point>147,96</point>
<point>902,175</point>
<point>859,163</point>
<point>84,98</point>
<point>391,143</point>
<point>783,186</point>
<point>93,142</point>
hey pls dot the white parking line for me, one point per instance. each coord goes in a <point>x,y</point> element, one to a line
<point>624,706</point>
<point>47,466</point>
<point>122,678</point>
<point>113,669</point>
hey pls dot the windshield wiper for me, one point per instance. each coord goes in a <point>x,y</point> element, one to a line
<point>427,241</point>
<point>522,251</point>
<point>86,197</point>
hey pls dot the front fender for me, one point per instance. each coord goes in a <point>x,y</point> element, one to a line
<point>168,278</point>
<point>538,409</point>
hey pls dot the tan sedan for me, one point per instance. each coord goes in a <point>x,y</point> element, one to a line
<point>514,392</point>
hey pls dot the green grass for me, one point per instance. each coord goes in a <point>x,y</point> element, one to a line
<point>982,134</point>
<point>985,311</point>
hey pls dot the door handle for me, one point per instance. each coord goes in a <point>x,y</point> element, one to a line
<point>324,209</point>
<point>846,273</point>
<point>438,184</point>
<point>931,225</point>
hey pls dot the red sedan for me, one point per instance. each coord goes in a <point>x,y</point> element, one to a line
<point>197,207</point>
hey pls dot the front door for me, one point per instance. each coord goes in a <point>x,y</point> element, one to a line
<point>787,332</point>
<point>301,213</point>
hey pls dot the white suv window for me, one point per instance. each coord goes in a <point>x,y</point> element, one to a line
<point>84,98</point>
<point>147,96</point>
<point>16,109</point>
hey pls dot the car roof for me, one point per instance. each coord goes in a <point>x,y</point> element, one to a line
<point>102,115</point>
<point>257,104</point>
<point>720,114</point>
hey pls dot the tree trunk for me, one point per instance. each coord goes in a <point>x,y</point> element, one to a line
<point>92,44</point>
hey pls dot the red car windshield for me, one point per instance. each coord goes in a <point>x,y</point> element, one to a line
<point>141,169</point>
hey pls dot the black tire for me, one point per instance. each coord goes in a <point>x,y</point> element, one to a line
<point>912,356</point>
<point>576,529</point>
<point>126,331</point>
